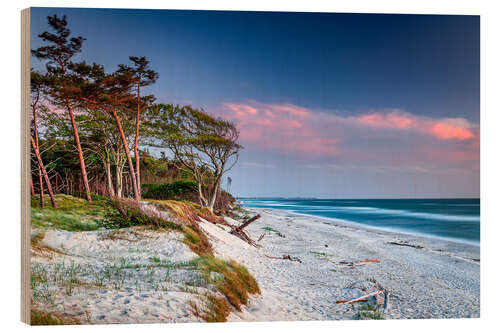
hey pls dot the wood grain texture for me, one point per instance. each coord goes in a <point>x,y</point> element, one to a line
<point>25,166</point>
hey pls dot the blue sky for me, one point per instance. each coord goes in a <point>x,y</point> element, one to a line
<point>328,105</point>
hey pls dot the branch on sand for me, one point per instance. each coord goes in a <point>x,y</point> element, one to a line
<point>377,294</point>
<point>360,262</point>
<point>285,257</point>
<point>238,231</point>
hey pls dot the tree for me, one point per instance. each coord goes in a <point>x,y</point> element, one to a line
<point>204,145</point>
<point>99,135</point>
<point>58,52</point>
<point>108,93</point>
<point>142,76</point>
<point>44,172</point>
<point>38,83</point>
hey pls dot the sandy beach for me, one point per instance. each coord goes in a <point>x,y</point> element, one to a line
<point>136,275</point>
<point>431,278</point>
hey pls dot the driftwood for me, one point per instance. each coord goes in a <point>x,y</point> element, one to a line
<point>377,294</point>
<point>246,223</point>
<point>406,244</point>
<point>238,231</point>
<point>360,262</point>
<point>361,298</point>
<point>285,257</point>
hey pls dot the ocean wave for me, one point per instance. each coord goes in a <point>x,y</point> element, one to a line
<point>406,213</point>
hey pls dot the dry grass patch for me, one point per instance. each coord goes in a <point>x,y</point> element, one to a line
<point>188,212</point>
<point>213,309</point>
<point>230,278</point>
<point>39,317</point>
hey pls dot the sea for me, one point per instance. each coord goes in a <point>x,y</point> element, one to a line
<point>452,219</point>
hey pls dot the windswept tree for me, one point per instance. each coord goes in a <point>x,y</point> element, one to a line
<point>142,76</point>
<point>204,145</point>
<point>58,52</point>
<point>108,93</point>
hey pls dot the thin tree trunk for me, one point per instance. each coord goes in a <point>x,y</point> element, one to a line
<point>40,180</point>
<point>109,177</point>
<point>37,143</point>
<point>80,153</point>
<point>31,185</point>
<point>203,201</point>
<point>214,196</point>
<point>127,153</point>
<point>119,180</point>
<point>40,163</point>
<point>136,141</point>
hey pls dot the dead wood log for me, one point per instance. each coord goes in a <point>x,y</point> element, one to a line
<point>241,227</point>
<point>381,301</point>
<point>365,261</point>
<point>407,244</point>
<point>361,298</point>
<point>240,233</point>
<point>261,236</point>
<point>359,262</point>
<point>285,257</point>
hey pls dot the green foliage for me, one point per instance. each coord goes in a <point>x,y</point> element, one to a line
<point>72,214</point>
<point>166,191</point>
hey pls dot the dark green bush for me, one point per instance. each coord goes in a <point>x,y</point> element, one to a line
<point>166,191</point>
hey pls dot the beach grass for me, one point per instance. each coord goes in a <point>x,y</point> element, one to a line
<point>72,214</point>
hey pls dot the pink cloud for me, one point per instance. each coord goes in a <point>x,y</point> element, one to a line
<point>447,131</point>
<point>288,128</point>
<point>387,120</point>
<point>363,138</point>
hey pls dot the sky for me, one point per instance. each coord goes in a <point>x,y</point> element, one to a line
<point>328,105</point>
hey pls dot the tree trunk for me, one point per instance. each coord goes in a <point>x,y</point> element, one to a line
<point>136,141</point>
<point>203,201</point>
<point>215,190</point>
<point>80,153</point>
<point>40,180</point>
<point>31,185</point>
<point>47,181</point>
<point>127,154</point>
<point>37,143</point>
<point>213,196</point>
<point>119,180</point>
<point>109,177</point>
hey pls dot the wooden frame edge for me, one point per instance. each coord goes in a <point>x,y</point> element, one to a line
<point>25,167</point>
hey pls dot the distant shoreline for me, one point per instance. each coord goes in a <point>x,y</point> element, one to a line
<point>338,221</point>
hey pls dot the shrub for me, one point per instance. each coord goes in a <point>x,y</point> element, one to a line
<point>179,189</point>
